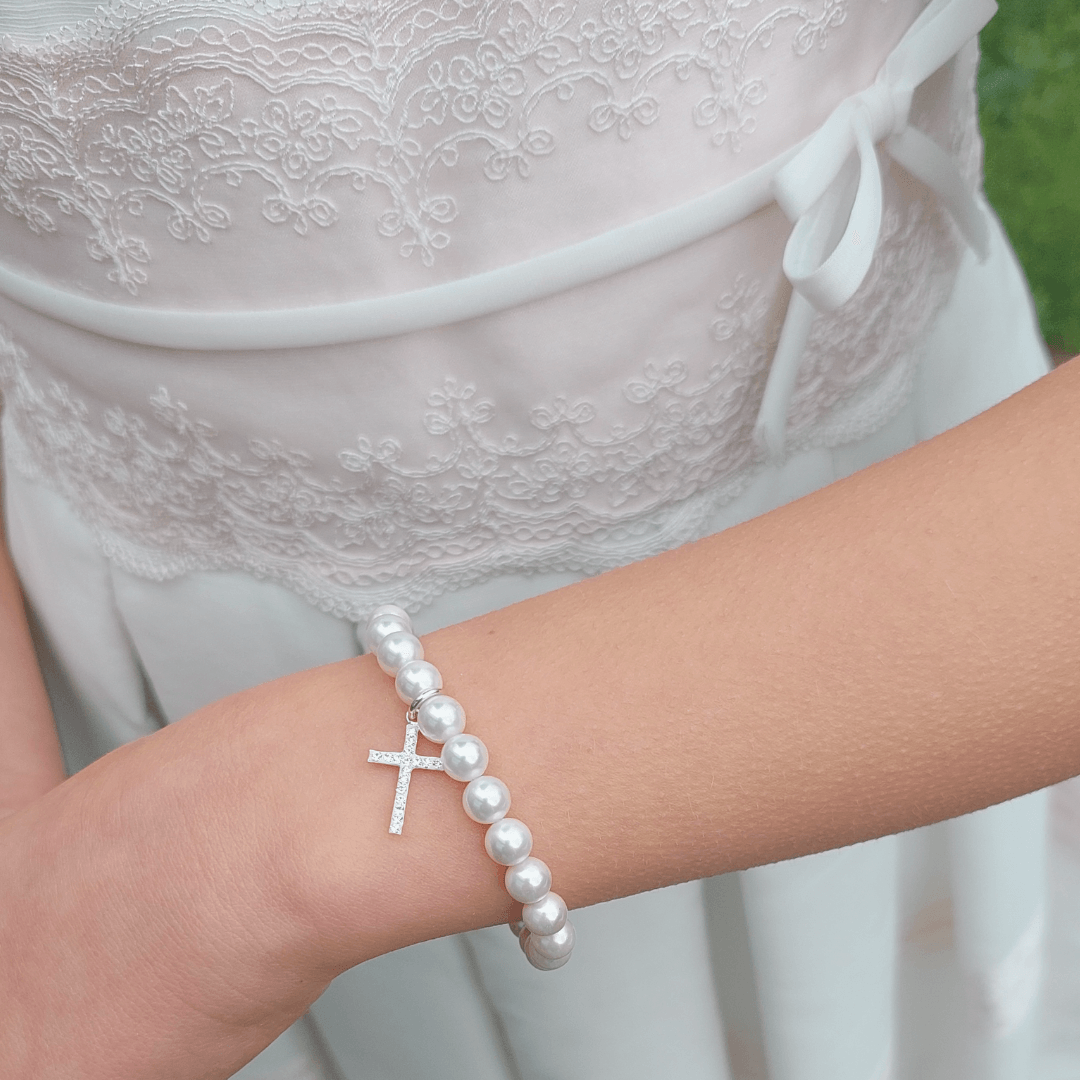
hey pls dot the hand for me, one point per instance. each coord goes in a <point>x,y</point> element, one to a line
<point>149,923</point>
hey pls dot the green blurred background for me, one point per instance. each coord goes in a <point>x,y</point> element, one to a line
<point>1029,92</point>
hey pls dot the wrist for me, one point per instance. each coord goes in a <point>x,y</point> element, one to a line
<point>364,891</point>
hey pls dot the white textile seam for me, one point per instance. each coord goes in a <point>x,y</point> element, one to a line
<point>1001,997</point>
<point>884,1071</point>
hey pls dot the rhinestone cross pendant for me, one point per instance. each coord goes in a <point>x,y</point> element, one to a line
<point>406,760</point>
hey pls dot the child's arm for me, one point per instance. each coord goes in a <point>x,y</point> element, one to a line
<point>30,761</point>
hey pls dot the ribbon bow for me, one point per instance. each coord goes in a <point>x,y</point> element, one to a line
<point>832,191</point>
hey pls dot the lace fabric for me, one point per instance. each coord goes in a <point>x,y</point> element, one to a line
<point>472,488</point>
<point>575,434</point>
<point>397,130</point>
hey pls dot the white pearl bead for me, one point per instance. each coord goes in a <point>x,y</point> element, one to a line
<point>486,799</point>
<point>545,916</point>
<point>516,927</point>
<point>414,678</point>
<point>529,881</point>
<point>544,963</point>
<point>440,717</point>
<point>384,621</point>
<point>508,841</point>
<point>552,946</point>
<point>464,758</point>
<point>398,649</point>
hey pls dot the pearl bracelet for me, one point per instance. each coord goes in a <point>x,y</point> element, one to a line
<point>545,932</point>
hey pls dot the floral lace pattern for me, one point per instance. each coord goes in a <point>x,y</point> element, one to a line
<point>154,112</point>
<point>154,116</point>
<point>568,486</point>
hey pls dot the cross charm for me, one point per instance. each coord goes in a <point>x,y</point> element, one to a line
<point>406,760</point>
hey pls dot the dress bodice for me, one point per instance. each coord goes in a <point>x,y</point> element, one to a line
<point>198,158</point>
<point>382,146</point>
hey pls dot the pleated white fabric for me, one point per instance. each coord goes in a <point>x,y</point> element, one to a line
<point>999,903</point>
<point>823,939</point>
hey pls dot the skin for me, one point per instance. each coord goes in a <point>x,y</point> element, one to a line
<point>31,763</point>
<point>895,649</point>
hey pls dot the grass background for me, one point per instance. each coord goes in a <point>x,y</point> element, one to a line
<point>1029,94</point>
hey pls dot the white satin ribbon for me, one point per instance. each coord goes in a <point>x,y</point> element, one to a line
<point>832,192</point>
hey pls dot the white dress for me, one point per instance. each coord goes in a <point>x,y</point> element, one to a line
<point>306,307</point>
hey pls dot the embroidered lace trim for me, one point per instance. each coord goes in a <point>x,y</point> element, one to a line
<point>156,124</point>
<point>564,489</point>
<point>154,121</point>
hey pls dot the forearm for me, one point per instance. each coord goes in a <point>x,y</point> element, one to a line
<point>895,649</point>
